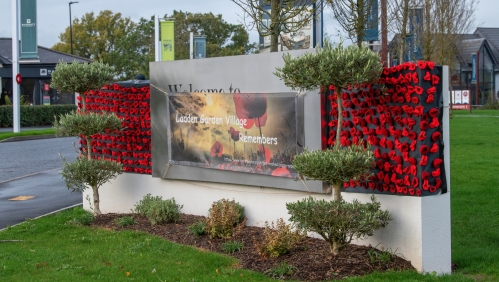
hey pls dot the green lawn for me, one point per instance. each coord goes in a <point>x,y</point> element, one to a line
<point>54,250</point>
<point>6,135</point>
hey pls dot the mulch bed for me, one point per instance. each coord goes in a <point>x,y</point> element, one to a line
<point>311,258</point>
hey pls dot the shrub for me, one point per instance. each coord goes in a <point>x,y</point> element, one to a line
<point>85,219</point>
<point>338,222</point>
<point>34,115</point>
<point>158,210</point>
<point>336,165</point>
<point>231,247</point>
<point>125,221</point>
<point>197,228</point>
<point>281,271</point>
<point>492,104</point>
<point>223,217</point>
<point>279,239</point>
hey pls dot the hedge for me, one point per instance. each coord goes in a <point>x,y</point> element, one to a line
<point>34,115</point>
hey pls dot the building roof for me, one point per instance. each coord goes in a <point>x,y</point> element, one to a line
<point>492,36</point>
<point>45,55</point>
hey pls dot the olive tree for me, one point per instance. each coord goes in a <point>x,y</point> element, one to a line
<point>340,67</point>
<point>85,171</point>
<point>337,221</point>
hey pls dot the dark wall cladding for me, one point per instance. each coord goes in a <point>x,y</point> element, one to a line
<point>402,120</point>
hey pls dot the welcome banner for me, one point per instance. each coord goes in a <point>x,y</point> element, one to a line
<point>244,132</point>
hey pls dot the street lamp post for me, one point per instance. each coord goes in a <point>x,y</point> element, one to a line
<point>71,27</point>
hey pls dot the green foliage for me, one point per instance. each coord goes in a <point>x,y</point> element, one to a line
<point>84,173</point>
<point>129,46</point>
<point>223,217</point>
<point>337,66</point>
<point>34,115</point>
<point>336,165</point>
<point>54,251</point>
<point>197,228</point>
<point>35,132</point>
<point>338,222</point>
<point>279,239</point>
<point>281,271</point>
<point>382,257</point>
<point>125,221</point>
<point>81,77</point>
<point>157,210</point>
<point>222,38</point>
<point>492,104</point>
<point>84,219</point>
<point>22,101</point>
<point>231,247</point>
<point>88,124</point>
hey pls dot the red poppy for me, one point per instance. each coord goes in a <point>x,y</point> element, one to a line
<point>423,161</point>
<point>234,134</point>
<point>217,149</point>
<point>425,175</point>
<point>433,112</point>
<point>437,162</point>
<point>422,136</point>
<point>436,172</point>
<point>424,149</point>
<point>435,136</point>
<point>432,90</point>
<point>434,148</point>
<point>434,79</point>
<point>252,107</point>
<point>422,64</point>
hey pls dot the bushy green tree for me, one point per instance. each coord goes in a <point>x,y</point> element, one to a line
<point>338,222</point>
<point>222,38</point>
<point>85,171</point>
<point>340,67</point>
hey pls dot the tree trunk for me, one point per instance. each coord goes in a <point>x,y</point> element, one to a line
<point>89,147</point>
<point>96,201</point>
<point>403,32</point>
<point>360,23</point>
<point>335,248</point>
<point>336,191</point>
<point>274,26</point>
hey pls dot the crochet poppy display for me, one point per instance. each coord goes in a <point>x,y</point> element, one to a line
<point>401,117</point>
<point>132,145</point>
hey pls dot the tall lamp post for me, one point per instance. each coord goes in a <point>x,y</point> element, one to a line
<point>71,27</point>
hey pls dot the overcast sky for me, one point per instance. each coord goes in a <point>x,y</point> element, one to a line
<point>53,15</point>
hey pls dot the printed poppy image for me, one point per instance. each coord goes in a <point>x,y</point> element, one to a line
<point>217,149</point>
<point>264,153</point>
<point>253,108</point>
<point>234,134</point>
<point>281,171</point>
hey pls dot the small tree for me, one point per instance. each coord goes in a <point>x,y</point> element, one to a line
<point>85,171</point>
<point>336,221</point>
<point>341,68</point>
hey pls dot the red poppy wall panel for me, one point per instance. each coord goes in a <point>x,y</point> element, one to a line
<point>402,120</point>
<point>131,146</point>
<point>244,132</point>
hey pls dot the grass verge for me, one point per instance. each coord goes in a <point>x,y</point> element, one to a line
<point>6,135</point>
<point>54,250</point>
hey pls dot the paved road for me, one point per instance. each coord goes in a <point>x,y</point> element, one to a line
<point>31,168</point>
